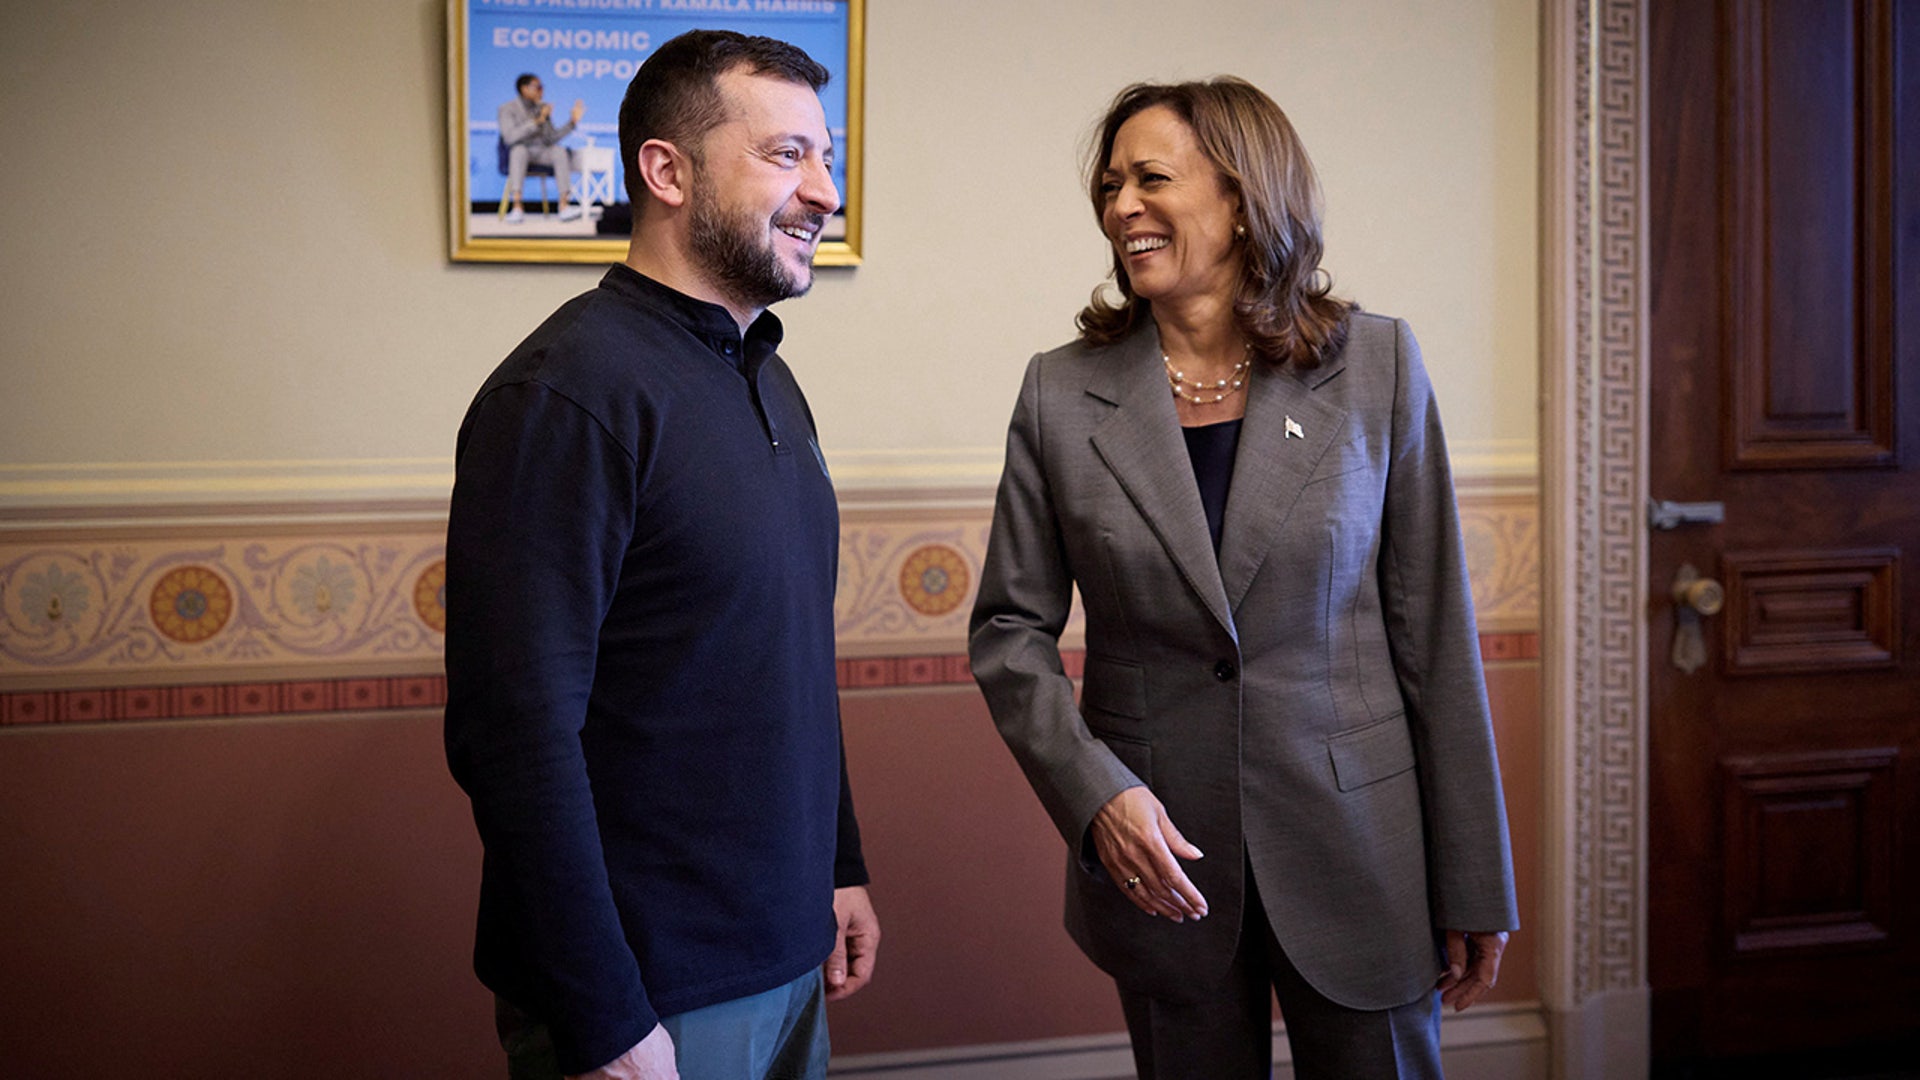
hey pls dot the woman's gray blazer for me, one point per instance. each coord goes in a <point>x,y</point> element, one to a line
<point>1313,696</point>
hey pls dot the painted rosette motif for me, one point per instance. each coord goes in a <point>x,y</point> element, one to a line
<point>430,596</point>
<point>320,590</point>
<point>191,604</point>
<point>934,579</point>
<point>54,598</point>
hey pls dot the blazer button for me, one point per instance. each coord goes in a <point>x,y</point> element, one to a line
<point>1224,671</point>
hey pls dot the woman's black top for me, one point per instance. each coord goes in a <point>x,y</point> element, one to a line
<point>1212,448</point>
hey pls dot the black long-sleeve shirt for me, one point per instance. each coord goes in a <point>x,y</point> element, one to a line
<point>641,557</point>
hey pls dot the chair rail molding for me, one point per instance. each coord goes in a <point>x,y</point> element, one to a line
<point>1594,299</point>
<point>38,495</point>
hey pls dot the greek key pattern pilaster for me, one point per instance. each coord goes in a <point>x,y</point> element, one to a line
<point>1610,236</point>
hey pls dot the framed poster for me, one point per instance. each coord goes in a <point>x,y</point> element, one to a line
<point>520,65</point>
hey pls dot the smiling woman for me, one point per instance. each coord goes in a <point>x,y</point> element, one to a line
<point>1253,180</point>
<point>1168,211</point>
<point>1246,480</point>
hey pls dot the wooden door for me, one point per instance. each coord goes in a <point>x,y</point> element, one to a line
<point>1784,802</point>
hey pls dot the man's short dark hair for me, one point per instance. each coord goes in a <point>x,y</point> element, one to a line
<point>675,96</point>
<point>521,82</point>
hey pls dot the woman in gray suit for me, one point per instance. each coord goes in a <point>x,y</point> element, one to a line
<point>1246,479</point>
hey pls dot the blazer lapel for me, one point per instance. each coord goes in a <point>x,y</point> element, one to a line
<point>1141,443</point>
<point>1286,432</point>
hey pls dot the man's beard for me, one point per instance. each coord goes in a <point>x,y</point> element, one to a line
<point>735,250</point>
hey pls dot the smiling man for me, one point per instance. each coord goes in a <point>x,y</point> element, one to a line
<point>640,571</point>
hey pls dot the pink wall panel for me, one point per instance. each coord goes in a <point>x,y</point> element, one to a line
<point>294,897</point>
<point>966,875</point>
<point>263,898</point>
<point>1513,689</point>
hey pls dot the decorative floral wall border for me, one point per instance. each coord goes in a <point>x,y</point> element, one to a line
<point>83,606</point>
<point>92,606</point>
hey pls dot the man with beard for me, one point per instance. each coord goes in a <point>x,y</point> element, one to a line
<point>640,571</point>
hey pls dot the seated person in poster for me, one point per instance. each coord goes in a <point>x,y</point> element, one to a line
<point>527,131</point>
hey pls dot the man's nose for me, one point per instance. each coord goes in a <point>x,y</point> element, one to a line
<point>817,189</point>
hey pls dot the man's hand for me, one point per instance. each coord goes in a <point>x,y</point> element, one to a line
<point>851,965</point>
<point>1473,966</point>
<point>1136,842</point>
<point>546,110</point>
<point>579,109</point>
<point>650,1059</point>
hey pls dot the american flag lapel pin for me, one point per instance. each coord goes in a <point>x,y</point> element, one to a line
<point>1293,429</point>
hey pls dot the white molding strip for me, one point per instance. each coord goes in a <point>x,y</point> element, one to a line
<point>955,468</point>
<point>162,483</point>
<point>979,467</point>
<point>1507,460</point>
<point>1502,1042</point>
<point>959,478</point>
<point>1085,1057</point>
<point>935,478</point>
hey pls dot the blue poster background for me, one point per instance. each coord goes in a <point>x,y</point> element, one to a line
<point>589,49</point>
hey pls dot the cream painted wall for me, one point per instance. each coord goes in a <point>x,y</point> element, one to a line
<point>226,228</point>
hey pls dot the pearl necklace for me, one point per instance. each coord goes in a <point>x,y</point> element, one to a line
<point>1220,388</point>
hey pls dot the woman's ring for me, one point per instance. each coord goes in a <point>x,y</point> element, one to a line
<point>1133,882</point>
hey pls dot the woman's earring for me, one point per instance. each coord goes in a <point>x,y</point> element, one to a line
<point>1240,232</point>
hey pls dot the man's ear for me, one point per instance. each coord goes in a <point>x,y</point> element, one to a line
<point>665,170</point>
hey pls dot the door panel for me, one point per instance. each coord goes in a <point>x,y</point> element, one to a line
<point>1784,783</point>
<point>1810,611</point>
<point>1809,155</point>
<point>1810,853</point>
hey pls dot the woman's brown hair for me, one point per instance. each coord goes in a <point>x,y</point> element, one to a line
<point>1282,303</point>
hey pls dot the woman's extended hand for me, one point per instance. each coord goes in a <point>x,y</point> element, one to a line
<point>1473,966</point>
<point>1137,842</point>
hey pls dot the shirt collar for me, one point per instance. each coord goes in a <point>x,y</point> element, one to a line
<point>711,323</point>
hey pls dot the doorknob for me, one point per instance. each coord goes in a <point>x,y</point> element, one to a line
<point>1702,594</point>
<point>1694,597</point>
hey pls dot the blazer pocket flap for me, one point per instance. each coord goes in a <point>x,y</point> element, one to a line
<point>1369,754</point>
<point>1112,686</point>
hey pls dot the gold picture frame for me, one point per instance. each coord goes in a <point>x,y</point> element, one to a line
<point>587,53</point>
